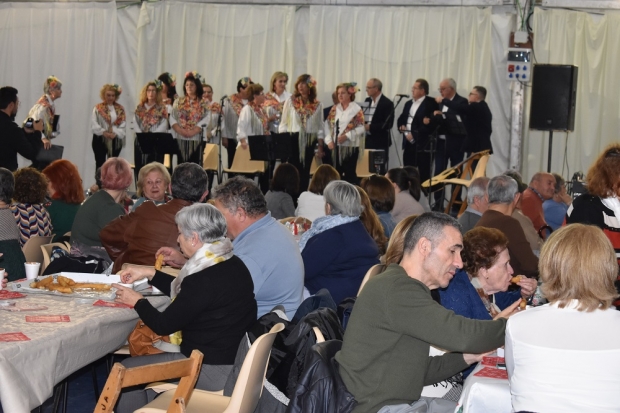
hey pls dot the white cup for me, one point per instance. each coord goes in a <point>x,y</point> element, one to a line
<point>2,272</point>
<point>32,270</point>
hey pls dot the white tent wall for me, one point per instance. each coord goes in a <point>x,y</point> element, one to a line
<point>89,44</point>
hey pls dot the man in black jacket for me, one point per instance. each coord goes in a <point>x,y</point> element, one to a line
<point>478,122</point>
<point>13,139</point>
<point>379,117</point>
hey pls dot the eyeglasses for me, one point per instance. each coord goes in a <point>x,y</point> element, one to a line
<point>371,87</point>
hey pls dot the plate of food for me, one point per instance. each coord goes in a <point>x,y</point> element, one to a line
<point>71,285</point>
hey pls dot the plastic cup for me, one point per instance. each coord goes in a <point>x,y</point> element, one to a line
<point>2,272</point>
<point>32,270</point>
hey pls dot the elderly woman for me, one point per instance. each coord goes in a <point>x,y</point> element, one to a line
<point>213,301</point>
<point>64,188</point>
<point>151,117</point>
<point>108,124</point>
<point>276,97</point>
<point>382,197</point>
<point>564,356</point>
<point>31,216</point>
<point>311,203</point>
<point>407,194</point>
<point>153,182</point>
<point>11,255</point>
<point>337,250</point>
<point>101,208</point>
<point>344,131</point>
<point>45,110</point>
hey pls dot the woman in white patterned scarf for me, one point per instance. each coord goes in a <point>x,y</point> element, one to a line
<point>108,125</point>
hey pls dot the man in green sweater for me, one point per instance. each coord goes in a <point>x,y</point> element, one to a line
<point>384,359</point>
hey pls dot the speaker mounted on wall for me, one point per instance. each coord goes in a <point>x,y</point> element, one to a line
<point>554,93</point>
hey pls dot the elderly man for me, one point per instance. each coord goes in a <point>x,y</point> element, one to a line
<point>478,122</point>
<point>135,238</point>
<point>385,359</point>
<point>477,203</point>
<point>504,195</point>
<point>449,147</point>
<point>542,187</point>
<point>379,118</point>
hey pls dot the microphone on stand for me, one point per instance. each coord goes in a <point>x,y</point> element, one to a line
<point>224,97</point>
<point>402,96</point>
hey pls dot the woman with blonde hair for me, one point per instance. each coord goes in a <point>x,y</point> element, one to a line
<point>151,117</point>
<point>45,109</point>
<point>276,97</point>
<point>108,125</point>
<point>565,356</point>
<point>396,245</point>
<point>152,184</point>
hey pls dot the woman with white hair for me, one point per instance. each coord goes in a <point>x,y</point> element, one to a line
<point>45,110</point>
<point>337,250</point>
<point>213,301</point>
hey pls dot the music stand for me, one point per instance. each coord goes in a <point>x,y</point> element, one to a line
<point>276,146</point>
<point>159,143</point>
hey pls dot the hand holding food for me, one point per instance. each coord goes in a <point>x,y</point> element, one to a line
<point>172,257</point>
<point>515,279</point>
<point>133,273</point>
<point>126,295</point>
<point>159,262</point>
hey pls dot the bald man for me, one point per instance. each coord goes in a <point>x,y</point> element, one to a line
<point>541,188</point>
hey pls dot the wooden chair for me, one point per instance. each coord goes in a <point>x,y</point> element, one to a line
<point>210,157</point>
<point>32,249</point>
<point>362,170</point>
<point>480,171</point>
<point>47,253</point>
<point>121,377</point>
<point>316,162</point>
<point>247,390</point>
<point>372,271</point>
<point>242,164</point>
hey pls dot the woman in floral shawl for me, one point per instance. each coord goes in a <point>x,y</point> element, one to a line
<point>108,125</point>
<point>45,110</point>
<point>151,117</point>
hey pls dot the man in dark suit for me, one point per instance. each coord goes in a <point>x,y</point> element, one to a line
<point>415,132</point>
<point>478,122</point>
<point>379,116</point>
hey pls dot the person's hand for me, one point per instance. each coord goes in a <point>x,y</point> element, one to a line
<point>320,153</point>
<point>46,143</point>
<point>38,125</point>
<point>225,142</point>
<point>126,295</point>
<point>475,358</point>
<point>331,146</point>
<point>172,257</point>
<point>409,137</point>
<point>437,113</point>
<point>402,128</point>
<point>133,273</point>
<point>528,286</point>
<point>342,139</point>
<point>438,99</point>
<point>272,118</point>
<point>196,130</point>
<point>426,121</point>
<point>244,143</point>
<point>509,311</point>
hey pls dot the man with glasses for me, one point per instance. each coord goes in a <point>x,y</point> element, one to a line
<point>14,139</point>
<point>379,118</point>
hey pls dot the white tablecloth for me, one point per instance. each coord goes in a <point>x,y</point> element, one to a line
<point>484,395</point>
<point>29,370</point>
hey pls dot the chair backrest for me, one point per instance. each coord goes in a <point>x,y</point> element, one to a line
<point>210,157</point>
<point>362,170</point>
<point>32,248</point>
<point>481,168</point>
<point>316,162</point>
<point>243,164</point>
<point>372,271</point>
<point>249,385</point>
<point>47,253</point>
<point>121,377</point>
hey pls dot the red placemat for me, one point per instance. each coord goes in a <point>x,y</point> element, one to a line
<point>8,295</point>
<point>6,337</point>
<point>492,373</point>
<point>47,318</point>
<point>101,303</point>
<point>492,361</point>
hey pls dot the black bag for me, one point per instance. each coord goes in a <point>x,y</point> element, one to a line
<point>47,156</point>
<point>88,264</point>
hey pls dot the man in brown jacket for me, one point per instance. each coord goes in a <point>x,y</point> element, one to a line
<point>135,238</point>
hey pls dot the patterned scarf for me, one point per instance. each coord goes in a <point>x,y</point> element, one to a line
<point>104,113</point>
<point>189,112</point>
<point>322,224</point>
<point>237,104</point>
<point>207,255</point>
<point>260,114</point>
<point>304,110</point>
<point>151,117</point>
<point>354,122</point>
<point>491,307</point>
<point>44,101</point>
<point>346,151</point>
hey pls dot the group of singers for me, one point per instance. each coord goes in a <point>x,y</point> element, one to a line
<point>344,129</point>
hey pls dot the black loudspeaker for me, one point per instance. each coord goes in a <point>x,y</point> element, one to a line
<point>377,161</point>
<point>554,91</point>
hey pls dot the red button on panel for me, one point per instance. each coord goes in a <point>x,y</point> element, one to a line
<point>511,68</point>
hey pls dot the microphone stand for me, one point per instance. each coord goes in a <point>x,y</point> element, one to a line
<point>336,149</point>
<point>218,132</point>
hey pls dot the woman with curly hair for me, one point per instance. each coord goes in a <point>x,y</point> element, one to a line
<point>151,117</point>
<point>371,222</point>
<point>64,188</point>
<point>344,131</point>
<point>31,216</point>
<point>108,124</point>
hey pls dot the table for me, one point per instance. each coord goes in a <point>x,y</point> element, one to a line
<point>484,395</point>
<point>29,370</point>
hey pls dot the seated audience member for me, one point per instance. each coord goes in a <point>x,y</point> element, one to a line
<point>284,185</point>
<point>385,359</point>
<point>311,203</point>
<point>382,196</point>
<point>213,304</point>
<point>601,205</point>
<point>503,195</point>
<point>153,182</point>
<point>556,207</point>
<point>414,173</point>
<point>407,190</point>
<point>101,208</point>
<point>542,187</point>
<point>264,245</point>
<point>135,238</point>
<point>371,222</point>
<point>337,251</point>
<point>31,216</point>
<point>477,203</point>
<point>564,356</point>
<point>11,255</point>
<point>396,245</point>
<point>64,188</point>
<point>531,234</point>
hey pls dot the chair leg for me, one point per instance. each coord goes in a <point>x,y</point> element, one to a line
<point>95,384</point>
<point>65,396</point>
<point>58,391</point>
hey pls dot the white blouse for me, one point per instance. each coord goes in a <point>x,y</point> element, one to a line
<point>160,127</point>
<point>291,122</point>
<point>249,124</point>
<point>344,116</point>
<point>564,360</point>
<point>310,205</point>
<point>98,125</point>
